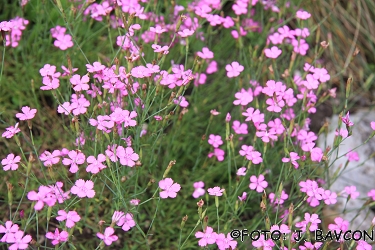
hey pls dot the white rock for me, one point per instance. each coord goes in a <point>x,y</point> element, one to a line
<point>360,174</point>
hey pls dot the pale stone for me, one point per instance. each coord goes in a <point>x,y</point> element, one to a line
<point>360,174</point>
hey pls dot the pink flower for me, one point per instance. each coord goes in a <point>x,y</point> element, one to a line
<point>50,159</point>
<point>181,100</point>
<point>258,184</point>
<point>76,158</point>
<point>371,194</point>
<point>274,52</point>
<point>141,72</point>
<point>216,191</point>
<point>11,131</point>
<point>79,106</point>
<point>169,188</point>
<point>57,237</point>
<point>300,46</point>
<point>8,230</point>
<point>240,128</point>
<point>273,87</point>
<point>207,238</point>
<point>293,158</point>
<point>80,83</point>
<point>158,29</point>
<point>205,54</point>
<point>5,26</point>
<point>253,115</point>
<point>108,237</point>
<point>363,245</point>
<point>212,67</point>
<point>341,225</point>
<point>329,197</point>
<point>346,120</point>
<point>309,218</point>
<point>64,108</point>
<point>251,154</point>
<point>219,153</point>
<point>241,171</point>
<point>83,188</point>
<point>225,242</point>
<point>199,189</point>
<point>43,196</point>
<point>127,222</point>
<point>351,190</point>
<point>27,114</point>
<point>215,140</point>
<point>64,42</point>
<point>244,97</point>
<point>20,241</point>
<point>352,156</point>
<point>310,82</point>
<point>234,69</point>
<point>372,124</point>
<point>71,217</point>
<point>186,32</point>
<point>321,74</point>
<point>95,165</point>
<point>127,156</point>
<point>278,200</point>
<point>134,202</point>
<point>95,67</point>
<point>243,197</point>
<point>67,71</point>
<point>11,162</point>
<point>263,243</point>
<point>301,14</point>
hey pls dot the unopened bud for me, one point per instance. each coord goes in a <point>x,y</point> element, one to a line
<point>171,163</point>
<point>324,44</point>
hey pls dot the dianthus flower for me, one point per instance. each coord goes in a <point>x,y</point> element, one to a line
<point>258,184</point>
<point>11,162</point>
<point>57,236</point>
<point>83,188</point>
<point>169,188</point>
<point>206,238</point>
<point>234,69</point>
<point>108,237</point>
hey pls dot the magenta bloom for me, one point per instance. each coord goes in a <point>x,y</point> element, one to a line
<point>126,221</point>
<point>27,113</point>
<point>80,83</point>
<point>169,188</point>
<point>76,158</point>
<point>219,153</point>
<point>11,162</point>
<point>216,191</point>
<point>346,120</point>
<point>95,165</point>
<point>71,217</point>
<point>273,52</point>
<point>301,14</point>
<point>215,140</point>
<point>372,124</point>
<point>309,218</point>
<point>108,237</point>
<point>8,230</point>
<point>352,156</point>
<point>83,188</point>
<point>127,156</point>
<point>64,42</point>
<point>206,238</point>
<point>244,97</point>
<point>251,154</point>
<point>199,189</point>
<point>57,236</point>
<point>50,159</point>
<point>225,242</point>
<point>11,131</point>
<point>258,184</point>
<point>20,241</point>
<point>205,54</point>
<point>234,69</point>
